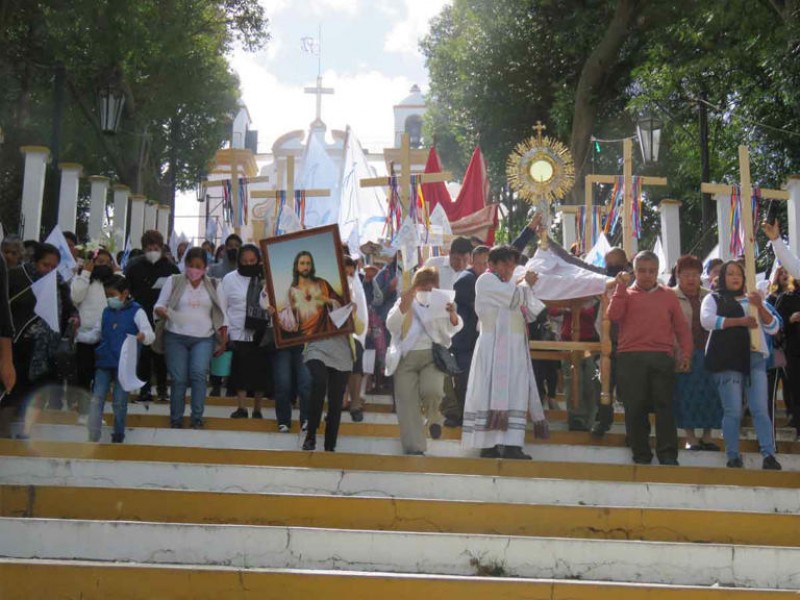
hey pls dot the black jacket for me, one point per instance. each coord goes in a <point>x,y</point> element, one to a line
<point>20,280</point>
<point>728,349</point>
<point>464,287</point>
<point>787,304</point>
<point>142,275</point>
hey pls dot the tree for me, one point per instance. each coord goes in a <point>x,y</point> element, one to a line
<point>169,56</point>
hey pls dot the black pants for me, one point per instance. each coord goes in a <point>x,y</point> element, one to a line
<point>605,412</point>
<point>325,380</point>
<point>85,357</point>
<point>148,362</point>
<point>546,372</point>
<point>646,382</point>
<point>791,392</point>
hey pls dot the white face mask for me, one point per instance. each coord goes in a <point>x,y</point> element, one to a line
<point>423,297</point>
<point>153,256</point>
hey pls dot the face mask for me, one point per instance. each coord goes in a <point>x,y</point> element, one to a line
<point>249,270</point>
<point>115,303</point>
<point>194,274</point>
<point>615,270</point>
<point>423,297</point>
<point>102,272</point>
<point>153,256</point>
<point>209,257</point>
<point>232,253</point>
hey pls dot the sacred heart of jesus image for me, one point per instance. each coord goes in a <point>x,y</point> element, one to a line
<point>307,285</point>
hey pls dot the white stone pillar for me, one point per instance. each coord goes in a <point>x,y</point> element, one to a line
<point>569,229</point>
<point>68,195</point>
<point>724,225</point>
<point>793,210</point>
<point>150,216</point>
<point>97,205</point>
<point>121,193</point>
<point>36,158</point>
<point>163,220</point>
<point>671,230</point>
<point>137,220</point>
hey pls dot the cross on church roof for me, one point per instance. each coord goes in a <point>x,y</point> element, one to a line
<point>318,91</point>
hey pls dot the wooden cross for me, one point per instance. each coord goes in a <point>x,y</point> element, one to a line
<point>627,201</point>
<point>745,184</point>
<point>318,91</point>
<point>404,185</point>
<point>290,189</point>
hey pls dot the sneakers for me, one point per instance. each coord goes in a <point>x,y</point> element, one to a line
<point>198,424</point>
<point>176,425</point>
<point>83,419</point>
<point>736,463</point>
<point>216,391</point>
<point>771,464</point>
<point>304,426</point>
<point>162,399</point>
<point>310,443</point>
<point>283,429</point>
<point>669,462</point>
<point>239,413</point>
<point>599,430</point>
<point>435,431</point>
<point>257,414</point>
<point>357,415</point>
<point>117,438</point>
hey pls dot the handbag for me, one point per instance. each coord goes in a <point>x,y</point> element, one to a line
<point>443,359</point>
<point>159,325</point>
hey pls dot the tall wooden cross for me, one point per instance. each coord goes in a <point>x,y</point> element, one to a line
<point>745,185</point>
<point>627,201</point>
<point>234,181</point>
<point>318,91</point>
<point>289,189</point>
<point>404,186</point>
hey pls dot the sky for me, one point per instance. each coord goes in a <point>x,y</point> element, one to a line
<point>370,56</point>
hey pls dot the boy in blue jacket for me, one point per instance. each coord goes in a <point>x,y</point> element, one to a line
<point>121,318</point>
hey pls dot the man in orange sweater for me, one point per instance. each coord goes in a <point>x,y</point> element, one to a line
<point>649,319</point>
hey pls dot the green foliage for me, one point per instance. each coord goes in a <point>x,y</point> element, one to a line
<point>497,67</point>
<point>170,57</point>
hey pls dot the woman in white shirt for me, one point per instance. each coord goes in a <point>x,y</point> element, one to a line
<point>240,293</point>
<point>193,332</point>
<point>418,383</point>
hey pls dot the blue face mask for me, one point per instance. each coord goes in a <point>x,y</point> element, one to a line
<point>115,303</point>
<point>209,257</point>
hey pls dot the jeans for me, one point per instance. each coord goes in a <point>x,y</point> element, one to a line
<point>188,362</point>
<point>733,387</point>
<point>103,378</point>
<point>286,363</point>
<point>330,382</point>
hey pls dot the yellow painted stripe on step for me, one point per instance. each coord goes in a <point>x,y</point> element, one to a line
<point>390,514</point>
<point>20,580</point>
<point>572,438</point>
<point>233,402</point>
<point>408,464</point>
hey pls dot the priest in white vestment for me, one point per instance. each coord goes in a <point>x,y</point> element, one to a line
<point>502,392</point>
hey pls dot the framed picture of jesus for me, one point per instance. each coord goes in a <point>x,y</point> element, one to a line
<point>306,285</point>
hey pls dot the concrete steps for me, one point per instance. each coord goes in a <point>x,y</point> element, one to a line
<point>238,511</point>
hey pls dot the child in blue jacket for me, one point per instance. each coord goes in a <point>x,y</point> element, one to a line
<point>121,318</point>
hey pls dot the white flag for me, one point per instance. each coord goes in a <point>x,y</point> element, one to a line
<point>126,373</point>
<point>288,221</point>
<point>320,172</point>
<point>45,290</point>
<point>597,255</point>
<point>173,244</point>
<point>226,231</point>
<point>440,227</point>
<point>67,265</point>
<point>126,254</point>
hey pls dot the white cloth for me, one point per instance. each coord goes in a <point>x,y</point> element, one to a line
<point>232,294</point>
<point>358,296</point>
<point>447,275</point>
<point>67,264</point>
<point>501,375</point>
<point>45,290</point>
<point>440,331</point>
<point>786,257</point>
<point>192,316</point>
<point>560,280</point>
<point>710,321</point>
<point>90,298</point>
<point>126,370</point>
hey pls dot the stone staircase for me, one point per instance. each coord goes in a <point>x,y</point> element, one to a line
<point>238,511</point>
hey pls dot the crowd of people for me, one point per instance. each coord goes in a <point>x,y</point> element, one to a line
<point>682,353</point>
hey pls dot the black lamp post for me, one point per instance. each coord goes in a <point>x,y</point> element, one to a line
<point>648,130</point>
<point>112,102</point>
